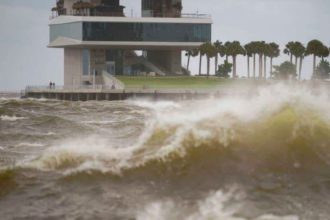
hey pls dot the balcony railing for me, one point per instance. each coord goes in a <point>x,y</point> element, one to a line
<point>87,13</point>
<point>116,14</point>
<point>195,15</point>
<point>61,88</point>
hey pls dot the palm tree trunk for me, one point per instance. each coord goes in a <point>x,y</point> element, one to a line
<point>227,58</point>
<point>248,66</point>
<point>314,64</point>
<point>291,57</point>
<point>200,65</point>
<point>300,67</point>
<point>296,63</point>
<point>188,62</point>
<point>260,66</point>
<point>208,66</point>
<point>265,66</point>
<point>254,65</point>
<point>216,64</point>
<point>271,67</point>
<point>234,67</point>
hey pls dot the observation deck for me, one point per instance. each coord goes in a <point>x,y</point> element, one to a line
<point>187,31</point>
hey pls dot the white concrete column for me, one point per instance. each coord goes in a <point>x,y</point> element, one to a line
<point>73,67</point>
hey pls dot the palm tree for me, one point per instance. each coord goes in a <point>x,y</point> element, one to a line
<point>288,49</point>
<point>189,54</point>
<point>234,49</point>
<point>249,53</point>
<point>298,51</point>
<point>210,51</point>
<point>315,48</point>
<point>202,52</point>
<point>260,49</point>
<point>222,52</point>
<point>254,52</point>
<point>218,46</point>
<point>325,52</point>
<point>301,62</point>
<point>267,53</point>
<point>225,48</point>
<point>274,52</point>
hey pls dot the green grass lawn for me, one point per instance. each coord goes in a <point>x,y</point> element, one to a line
<point>172,82</point>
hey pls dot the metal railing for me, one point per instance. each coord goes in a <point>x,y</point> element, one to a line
<point>107,89</point>
<point>183,15</point>
<point>66,88</point>
<point>196,15</point>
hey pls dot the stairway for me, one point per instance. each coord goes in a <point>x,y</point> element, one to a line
<point>152,67</point>
<point>109,81</point>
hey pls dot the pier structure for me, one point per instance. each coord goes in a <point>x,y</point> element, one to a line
<point>105,94</point>
<point>100,42</point>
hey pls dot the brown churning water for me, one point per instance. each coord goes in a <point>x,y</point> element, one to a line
<point>260,157</point>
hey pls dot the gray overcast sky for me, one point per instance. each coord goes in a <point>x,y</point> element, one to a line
<point>25,59</point>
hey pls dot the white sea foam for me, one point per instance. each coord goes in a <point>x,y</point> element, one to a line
<point>212,207</point>
<point>105,122</point>
<point>117,112</point>
<point>156,105</point>
<point>138,112</point>
<point>9,99</point>
<point>4,99</point>
<point>10,118</point>
<point>217,205</point>
<point>274,217</point>
<point>24,144</point>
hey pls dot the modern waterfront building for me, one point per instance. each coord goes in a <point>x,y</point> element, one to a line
<point>99,40</point>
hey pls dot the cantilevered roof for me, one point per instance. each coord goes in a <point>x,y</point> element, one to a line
<point>61,42</point>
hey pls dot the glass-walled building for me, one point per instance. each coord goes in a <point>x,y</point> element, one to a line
<point>97,38</point>
<point>132,31</point>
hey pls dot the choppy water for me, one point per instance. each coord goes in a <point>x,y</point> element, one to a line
<point>263,157</point>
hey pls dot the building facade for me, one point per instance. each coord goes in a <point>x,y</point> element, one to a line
<point>98,39</point>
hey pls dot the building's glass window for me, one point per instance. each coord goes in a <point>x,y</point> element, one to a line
<point>86,61</point>
<point>70,30</point>
<point>153,32</point>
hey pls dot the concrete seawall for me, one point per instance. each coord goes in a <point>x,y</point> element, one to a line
<point>120,95</point>
<point>104,93</point>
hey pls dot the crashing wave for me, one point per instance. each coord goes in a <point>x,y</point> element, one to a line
<point>280,128</point>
